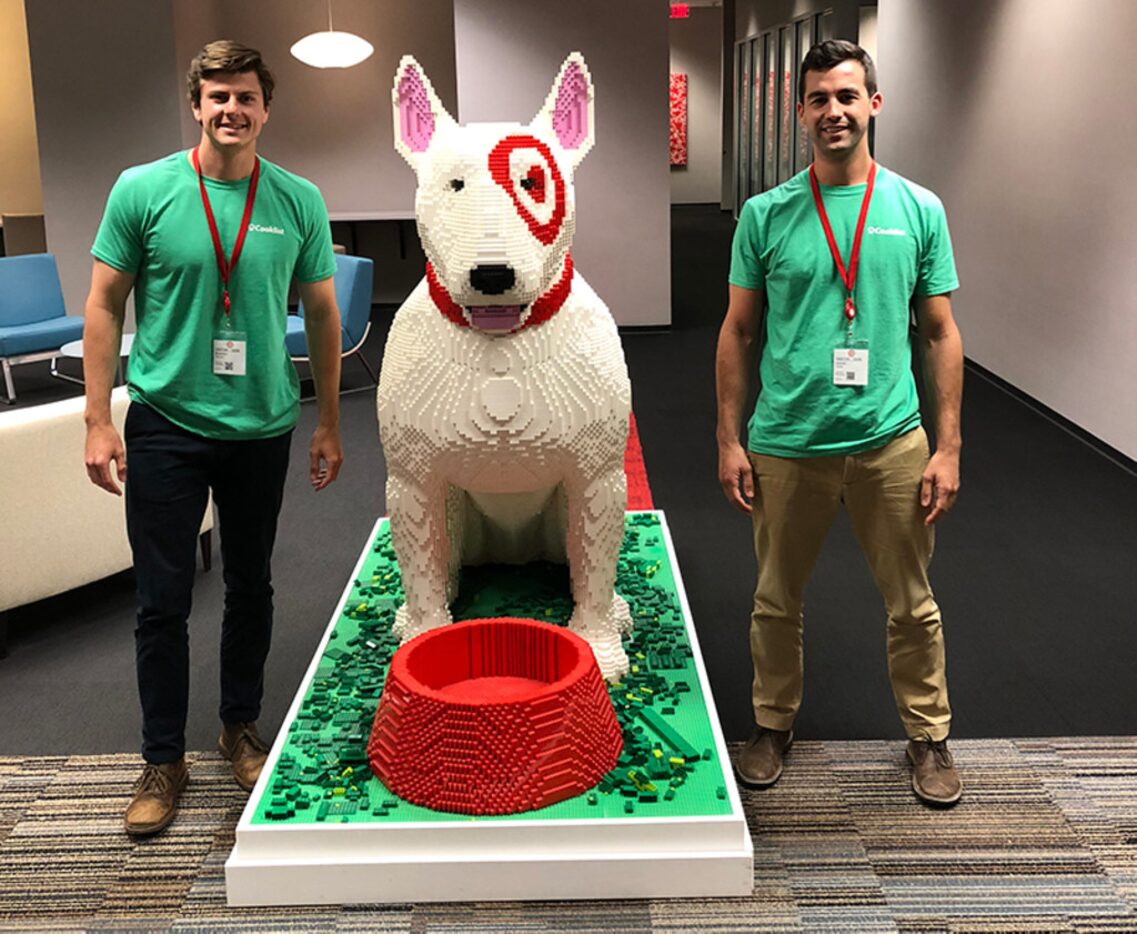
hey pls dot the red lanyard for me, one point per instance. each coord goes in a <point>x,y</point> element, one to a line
<point>849,277</point>
<point>226,268</point>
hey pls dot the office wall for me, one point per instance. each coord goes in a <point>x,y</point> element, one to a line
<point>20,191</point>
<point>1015,114</point>
<point>509,52</point>
<point>696,50</point>
<point>105,79</point>
<point>332,126</point>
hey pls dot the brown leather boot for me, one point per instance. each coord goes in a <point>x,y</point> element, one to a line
<point>760,762</point>
<point>934,776</point>
<point>156,795</point>
<point>242,745</point>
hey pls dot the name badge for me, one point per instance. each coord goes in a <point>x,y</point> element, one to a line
<point>229,353</point>
<point>851,366</point>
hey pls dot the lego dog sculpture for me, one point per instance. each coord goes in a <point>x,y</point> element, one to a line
<point>503,400</point>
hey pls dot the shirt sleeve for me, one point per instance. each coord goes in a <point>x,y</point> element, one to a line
<point>936,274</point>
<point>119,241</point>
<point>317,260</point>
<point>746,270</point>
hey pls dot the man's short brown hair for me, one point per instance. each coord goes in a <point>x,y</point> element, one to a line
<point>229,57</point>
<point>829,54</point>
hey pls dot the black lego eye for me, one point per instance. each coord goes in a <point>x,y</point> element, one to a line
<point>457,184</point>
<point>527,184</point>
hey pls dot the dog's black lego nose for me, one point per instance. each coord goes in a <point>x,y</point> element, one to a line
<point>492,280</point>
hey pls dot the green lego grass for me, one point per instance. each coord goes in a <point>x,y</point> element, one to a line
<point>669,766</point>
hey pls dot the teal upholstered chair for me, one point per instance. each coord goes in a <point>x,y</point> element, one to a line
<point>34,323</point>
<point>353,278</point>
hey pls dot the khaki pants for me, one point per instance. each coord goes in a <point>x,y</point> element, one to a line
<point>795,501</point>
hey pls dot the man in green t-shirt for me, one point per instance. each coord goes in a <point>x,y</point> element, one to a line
<point>209,241</point>
<point>830,264</point>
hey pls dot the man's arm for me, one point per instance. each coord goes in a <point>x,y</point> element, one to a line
<point>734,361</point>
<point>941,353</point>
<point>102,338</point>
<point>322,327</point>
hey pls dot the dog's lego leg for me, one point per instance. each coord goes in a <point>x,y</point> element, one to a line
<point>595,532</point>
<point>456,521</point>
<point>418,533</point>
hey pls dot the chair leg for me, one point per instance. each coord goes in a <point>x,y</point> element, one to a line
<point>8,385</point>
<point>206,540</point>
<point>59,374</point>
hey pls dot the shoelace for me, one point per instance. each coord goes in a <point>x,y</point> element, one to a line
<point>940,751</point>
<point>155,781</point>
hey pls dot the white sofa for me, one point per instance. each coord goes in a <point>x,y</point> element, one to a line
<point>58,531</point>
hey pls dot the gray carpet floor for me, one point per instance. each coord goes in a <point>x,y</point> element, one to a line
<point>1045,839</point>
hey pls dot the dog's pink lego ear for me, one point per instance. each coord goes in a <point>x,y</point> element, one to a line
<point>568,113</point>
<point>416,119</point>
<point>417,111</point>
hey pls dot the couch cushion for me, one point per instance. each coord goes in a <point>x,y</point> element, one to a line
<point>59,530</point>
<point>42,335</point>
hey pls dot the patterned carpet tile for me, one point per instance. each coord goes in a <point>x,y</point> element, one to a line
<point>1094,782</point>
<point>778,915</point>
<point>1045,839</point>
<point>1007,895</point>
<point>22,781</point>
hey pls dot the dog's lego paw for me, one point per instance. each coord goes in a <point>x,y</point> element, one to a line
<point>621,615</point>
<point>610,656</point>
<point>407,627</point>
<point>604,635</point>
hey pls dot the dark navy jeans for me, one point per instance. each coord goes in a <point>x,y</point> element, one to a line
<point>169,474</point>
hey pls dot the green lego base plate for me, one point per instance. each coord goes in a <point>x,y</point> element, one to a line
<point>669,766</point>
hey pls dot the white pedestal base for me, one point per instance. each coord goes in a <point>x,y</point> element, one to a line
<point>486,860</point>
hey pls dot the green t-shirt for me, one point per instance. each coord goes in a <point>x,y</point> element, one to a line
<point>155,228</point>
<point>780,247</point>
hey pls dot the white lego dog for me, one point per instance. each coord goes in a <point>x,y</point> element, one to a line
<point>504,397</point>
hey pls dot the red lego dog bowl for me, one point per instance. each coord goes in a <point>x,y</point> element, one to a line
<point>493,716</point>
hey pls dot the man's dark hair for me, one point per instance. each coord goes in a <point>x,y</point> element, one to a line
<point>224,56</point>
<point>830,54</point>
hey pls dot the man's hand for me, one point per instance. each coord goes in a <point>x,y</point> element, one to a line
<point>736,477</point>
<point>939,483</point>
<point>325,455</point>
<point>104,446</point>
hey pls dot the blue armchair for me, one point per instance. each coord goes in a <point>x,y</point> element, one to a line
<point>353,279</point>
<point>34,323</point>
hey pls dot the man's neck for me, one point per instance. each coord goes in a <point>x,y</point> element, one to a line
<point>228,165</point>
<point>853,170</point>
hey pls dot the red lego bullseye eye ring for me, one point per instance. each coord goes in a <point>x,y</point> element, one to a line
<point>493,716</point>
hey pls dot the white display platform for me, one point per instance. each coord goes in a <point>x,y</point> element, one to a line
<point>484,860</point>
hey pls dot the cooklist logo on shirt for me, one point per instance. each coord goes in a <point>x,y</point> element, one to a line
<point>886,231</point>
<point>266,228</point>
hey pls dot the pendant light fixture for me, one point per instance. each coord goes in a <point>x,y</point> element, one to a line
<point>332,49</point>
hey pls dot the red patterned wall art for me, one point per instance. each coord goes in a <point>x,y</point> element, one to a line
<point>678,119</point>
